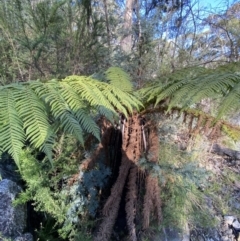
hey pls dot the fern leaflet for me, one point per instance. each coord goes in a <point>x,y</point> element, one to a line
<point>12,136</point>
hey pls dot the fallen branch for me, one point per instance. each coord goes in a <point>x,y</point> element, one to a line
<point>223,151</point>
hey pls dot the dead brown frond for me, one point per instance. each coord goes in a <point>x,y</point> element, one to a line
<point>110,210</point>
<point>148,202</point>
<point>198,126</point>
<point>131,199</point>
<point>216,132</point>
<point>153,144</point>
<point>73,179</point>
<point>157,201</point>
<point>208,121</point>
<point>152,200</point>
<point>106,131</point>
<point>207,127</point>
<point>190,123</point>
<point>89,163</point>
<point>184,117</point>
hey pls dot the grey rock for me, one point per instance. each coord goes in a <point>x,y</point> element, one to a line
<point>8,169</point>
<point>173,234</point>
<point>12,218</point>
<point>24,237</point>
<point>236,224</point>
<point>228,219</point>
<point>200,238</point>
<point>235,204</point>
<point>225,238</point>
<point>228,232</point>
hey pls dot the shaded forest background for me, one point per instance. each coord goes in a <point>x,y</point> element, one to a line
<point>163,80</point>
<point>59,38</point>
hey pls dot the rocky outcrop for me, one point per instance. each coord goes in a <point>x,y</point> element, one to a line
<point>24,237</point>
<point>8,169</point>
<point>173,234</point>
<point>12,218</point>
<point>226,231</point>
<point>230,229</point>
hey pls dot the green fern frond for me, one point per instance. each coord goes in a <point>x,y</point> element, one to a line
<point>209,86</point>
<point>48,145</point>
<point>61,110</point>
<point>189,86</point>
<point>67,106</point>
<point>78,108</point>
<point>118,78</point>
<point>88,90</point>
<point>110,115</point>
<point>70,96</point>
<point>215,85</point>
<point>167,85</point>
<point>12,136</point>
<point>230,101</point>
<point>180,84</point>
<point>36,111</point>
<point>121,100</point>
<point>150,92</point>
<point>33,114</point>
<point>169,91</point>
<point>102,94</point>
<point>87,122</point>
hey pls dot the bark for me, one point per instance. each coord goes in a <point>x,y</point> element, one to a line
<point>126,42</point>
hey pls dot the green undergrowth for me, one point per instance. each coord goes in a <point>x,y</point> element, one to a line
<point>68,209</point>
<point>182,180</point>
<point>191,194</point>
<point>47,187</point>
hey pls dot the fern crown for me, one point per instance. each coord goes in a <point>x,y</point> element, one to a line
<point>35,111</point>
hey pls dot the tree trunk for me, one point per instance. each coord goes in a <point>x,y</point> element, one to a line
<point>107,22</point>
<point>126,42</point>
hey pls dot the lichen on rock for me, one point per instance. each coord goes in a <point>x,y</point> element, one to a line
<point>12,218</point>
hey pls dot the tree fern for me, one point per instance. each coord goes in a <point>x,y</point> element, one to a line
<point>35,111</point>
